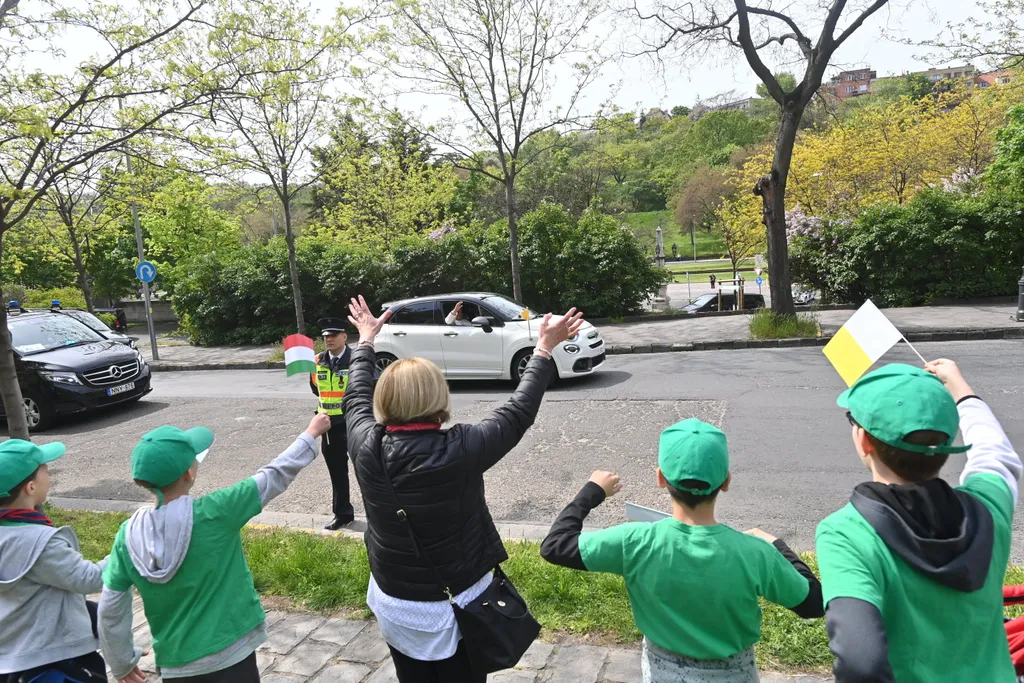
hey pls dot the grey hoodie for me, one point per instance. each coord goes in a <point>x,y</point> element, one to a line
<point>43,584</point>
<point>158,541</point>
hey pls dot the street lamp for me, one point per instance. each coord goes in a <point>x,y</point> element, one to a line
<point>1020,297</point>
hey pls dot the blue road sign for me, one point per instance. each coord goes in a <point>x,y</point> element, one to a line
<point>145,271</point>
<point>759,281</point>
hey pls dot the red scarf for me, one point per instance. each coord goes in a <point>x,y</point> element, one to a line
<point>24,516</point>
<point>415,427</point>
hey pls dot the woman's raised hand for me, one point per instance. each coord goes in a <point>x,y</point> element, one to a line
<point>553,331</point>
<point>362,319</point>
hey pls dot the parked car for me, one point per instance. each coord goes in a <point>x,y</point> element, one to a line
<point>802,294</point>
<point>497,344</point>
<point>708,303</point>
<point>65,367</point>
<point>95,324</point>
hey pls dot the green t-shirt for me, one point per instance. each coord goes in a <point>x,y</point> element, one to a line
<point>935,633</point>
<point>694,589</point>
<point>210,603</point>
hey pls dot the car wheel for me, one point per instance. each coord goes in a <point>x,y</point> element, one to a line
<point>40,416</point>
<point>384,360</point>
<point>519,363</point>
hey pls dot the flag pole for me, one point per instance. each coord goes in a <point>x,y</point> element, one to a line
<point>914,350</point>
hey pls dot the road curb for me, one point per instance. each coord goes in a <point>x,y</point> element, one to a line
<point>987,334</point>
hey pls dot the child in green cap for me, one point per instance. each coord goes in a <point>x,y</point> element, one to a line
<point>184,557</point>
<point>693,583</point>
<point>912,568</point>
<point>45,622</point>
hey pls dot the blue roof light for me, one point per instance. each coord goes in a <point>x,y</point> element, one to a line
<point>55,302</point>
<point>13,304</point>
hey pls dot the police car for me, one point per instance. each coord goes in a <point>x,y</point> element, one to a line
<point>492,339</point>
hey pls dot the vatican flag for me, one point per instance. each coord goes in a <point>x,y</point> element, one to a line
<point>865,338</point>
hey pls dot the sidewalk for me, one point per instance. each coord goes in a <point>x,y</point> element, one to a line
<point>312,648</point>
<point>959,320</point>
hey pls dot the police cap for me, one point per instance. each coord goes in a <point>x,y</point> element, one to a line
<point>329,326</point>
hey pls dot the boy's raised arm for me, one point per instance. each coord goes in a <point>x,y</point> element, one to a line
<point>274,478</point>
<point>561,545</point>
<point>991,450</point>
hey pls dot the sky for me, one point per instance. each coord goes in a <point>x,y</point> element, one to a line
<point>878,44</point>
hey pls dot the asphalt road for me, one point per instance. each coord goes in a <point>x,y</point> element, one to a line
<point>792,460</point>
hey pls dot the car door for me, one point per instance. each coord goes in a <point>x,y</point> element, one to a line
<point>471,351</point>
<point>413,331</point>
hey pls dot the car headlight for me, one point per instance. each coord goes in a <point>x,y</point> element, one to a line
<point>571,348</point>
<point>60,377</point>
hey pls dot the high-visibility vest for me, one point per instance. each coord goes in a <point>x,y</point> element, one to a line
<point>331,388</point>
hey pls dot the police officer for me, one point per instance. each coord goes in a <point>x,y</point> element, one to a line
<point>329,383</point>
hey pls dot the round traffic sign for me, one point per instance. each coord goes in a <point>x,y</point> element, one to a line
<point>145,271</point>
<point>759,281</point>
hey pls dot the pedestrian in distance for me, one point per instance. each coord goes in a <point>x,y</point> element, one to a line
<point>46,624</point>
<point>184,557</point>
<point>912,568</point>
<point>693,583</point>
<point>328,384</point>
<point>457,317</point>
<point>430,538</point>
<point>713,279</point>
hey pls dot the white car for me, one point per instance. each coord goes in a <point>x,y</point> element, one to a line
<point>493,340</point>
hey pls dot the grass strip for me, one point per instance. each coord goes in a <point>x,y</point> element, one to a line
<point>328,573</point>
<point>766,324</point>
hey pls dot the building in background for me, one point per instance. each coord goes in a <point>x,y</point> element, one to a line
<point>852,83</point>
<point>992,78</point>
<point>949,73</point>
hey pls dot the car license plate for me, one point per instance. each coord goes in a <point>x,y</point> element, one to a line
<point>113,391</point>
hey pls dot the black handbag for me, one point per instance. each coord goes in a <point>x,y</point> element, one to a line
<point>497,627</point>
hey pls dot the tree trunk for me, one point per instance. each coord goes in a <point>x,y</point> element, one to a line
<point>10,390</point>
<point>83,278</point>
<point>772,189</point>
<point>513,237</point>
<point>293,266</point>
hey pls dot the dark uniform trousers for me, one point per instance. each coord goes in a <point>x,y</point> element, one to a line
<point>334,446</point>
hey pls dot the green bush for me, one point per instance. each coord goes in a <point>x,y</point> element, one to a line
<point>69,297</point>
<point>940,244</point>
<point>244,296</point>
<point>108,319</point>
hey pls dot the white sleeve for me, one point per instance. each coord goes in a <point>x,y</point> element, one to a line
<point>450,318</point>
<point>991,450</point>
<point>274,478</point>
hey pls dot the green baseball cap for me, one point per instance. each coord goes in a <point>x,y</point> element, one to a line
<point>19,459</point>
<point>167,452</point>
<point>898,399</point>
<point>692,449</point>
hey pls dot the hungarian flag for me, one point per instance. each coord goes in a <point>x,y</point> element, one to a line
<point>299,356</point>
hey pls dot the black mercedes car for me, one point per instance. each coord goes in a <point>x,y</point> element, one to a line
<point>64,367</point>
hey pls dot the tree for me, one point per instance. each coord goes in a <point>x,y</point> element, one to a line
<point>994,32</point>
<point>742,233</point>
<point>689,29</point>
<point>284,64</point>
<point>702,196</point>
<point>379,185</point>
<point>52,123</point>
<point>76,211</point>
<point>502,63</point>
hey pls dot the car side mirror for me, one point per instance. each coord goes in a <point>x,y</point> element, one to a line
<point>482,322</point>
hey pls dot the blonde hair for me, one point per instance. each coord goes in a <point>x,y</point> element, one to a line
<point>411,390</point>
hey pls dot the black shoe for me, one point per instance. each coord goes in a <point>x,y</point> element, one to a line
<point>339,522</point>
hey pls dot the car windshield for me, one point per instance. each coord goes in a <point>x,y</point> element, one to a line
<point>702,300</point>
<point>507,309</point>
<point>47,332</point>
<point>90,321</point>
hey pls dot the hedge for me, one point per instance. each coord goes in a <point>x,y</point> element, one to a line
<point>243,296</point>
<point>938,245</point>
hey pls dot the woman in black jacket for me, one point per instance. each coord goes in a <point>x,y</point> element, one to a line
<point>438,485</point>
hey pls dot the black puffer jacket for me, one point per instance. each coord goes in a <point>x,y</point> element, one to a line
<point>438,477</point>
